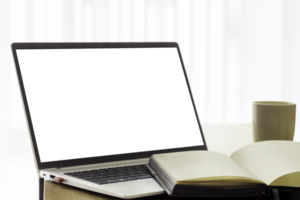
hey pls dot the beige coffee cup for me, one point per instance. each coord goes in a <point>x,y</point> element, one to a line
<point>273,120</point>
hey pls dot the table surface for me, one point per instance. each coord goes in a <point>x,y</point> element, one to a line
<point>221,138</point>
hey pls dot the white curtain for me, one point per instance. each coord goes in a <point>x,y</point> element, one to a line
<point>235,52</point>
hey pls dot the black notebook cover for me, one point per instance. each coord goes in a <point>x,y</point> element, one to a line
<point>216,195</point>
<point>267,192</point>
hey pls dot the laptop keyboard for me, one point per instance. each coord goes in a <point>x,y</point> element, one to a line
<point>113,175</point>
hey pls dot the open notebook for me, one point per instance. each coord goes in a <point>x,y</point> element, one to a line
<point>248,171</point>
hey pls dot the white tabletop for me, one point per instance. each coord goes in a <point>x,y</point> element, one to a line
<point>227,138</point>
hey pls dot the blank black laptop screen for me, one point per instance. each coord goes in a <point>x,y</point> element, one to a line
<point>96,102</point>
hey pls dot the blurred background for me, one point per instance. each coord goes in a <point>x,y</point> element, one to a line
<point>235,52</point>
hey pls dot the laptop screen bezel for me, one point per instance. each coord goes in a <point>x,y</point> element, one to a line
<point>100,159</point>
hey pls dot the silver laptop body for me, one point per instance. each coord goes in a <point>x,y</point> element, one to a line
<point>92,106</point>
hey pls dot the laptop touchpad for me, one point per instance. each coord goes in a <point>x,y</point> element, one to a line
<point>134,188</point>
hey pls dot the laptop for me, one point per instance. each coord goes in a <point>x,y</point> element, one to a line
<point>96,112</point>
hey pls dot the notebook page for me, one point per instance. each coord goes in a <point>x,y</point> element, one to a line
<point>196,165</point>
<point>270,160</point>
